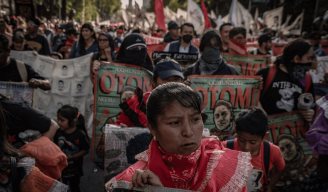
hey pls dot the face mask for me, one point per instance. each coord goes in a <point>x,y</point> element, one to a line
<point>299,70</point>
<point>187,38</point>
<point>135,57</point>
<point>211,55</point>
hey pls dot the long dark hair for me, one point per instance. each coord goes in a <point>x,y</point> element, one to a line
<point>74,117</point>
<point>298,47</point>
<point>81,42</point>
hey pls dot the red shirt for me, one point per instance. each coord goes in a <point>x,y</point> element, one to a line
<point>258,177</point>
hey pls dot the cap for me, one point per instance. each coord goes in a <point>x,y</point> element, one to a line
<point>172,25</point>
<point>133,40</point>
<point>168,68</point>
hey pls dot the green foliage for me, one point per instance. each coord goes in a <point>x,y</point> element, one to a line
<point>104,8</point>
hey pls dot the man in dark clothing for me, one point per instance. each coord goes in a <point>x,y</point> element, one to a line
<point>20,117</point>
<point>210,62</point>
<point>34,40</point>
<point>265,45</point>
<point>184,45</point>
<point>16,71</point>
<point>173,33</point>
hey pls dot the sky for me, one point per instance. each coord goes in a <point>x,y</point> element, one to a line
<point>126,2</point>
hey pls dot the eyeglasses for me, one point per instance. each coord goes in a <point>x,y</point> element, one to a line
<point>102,40</point>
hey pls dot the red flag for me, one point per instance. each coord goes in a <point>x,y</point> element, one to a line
<point>159,12</point>
<point>207,20</point>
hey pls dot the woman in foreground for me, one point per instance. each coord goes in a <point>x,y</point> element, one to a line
<point>178,156</point>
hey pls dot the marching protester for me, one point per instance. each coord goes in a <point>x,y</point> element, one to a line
<point>106,48</point>
<point>314,40</point>
<point>267,161</point>
<point>19,42</point>
<point>211,61</point>
<point>184,45</point>
<point>288,87</point>
<point>119,37</point>
<point>74,142</point>
<point>20,117</point>
<point>17,71</point>
<point>224,34</point>
<point>87,42</point>
<point>18,172</point>
<point>133,112</point>
<point>59,37</point>
<point>173,33</point>
<point>237,41</point>
<point>178,152</point>
<point>134,51</point>
<point>34,40</point>
<point>265,45</point>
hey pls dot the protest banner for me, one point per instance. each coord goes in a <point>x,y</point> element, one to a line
<point>184,59</point>
<point>155,47</point>
<point>17,92</point>
<point>70,82</point>
<point>121,145</point>
<point>110,82</point>
<point>247,65</point>
<point>241,92</point>
<point>287,130</point>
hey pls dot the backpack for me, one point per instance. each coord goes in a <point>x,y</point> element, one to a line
<point>266,157</point>
<point>271,74</point>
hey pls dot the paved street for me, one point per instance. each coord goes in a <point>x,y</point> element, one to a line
<point>92,181</point>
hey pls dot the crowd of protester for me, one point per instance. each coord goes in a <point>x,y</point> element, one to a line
<point>178,156</point>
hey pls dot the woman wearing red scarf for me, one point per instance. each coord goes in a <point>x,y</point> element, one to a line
<point>178,156</point>
<point>237,43</point>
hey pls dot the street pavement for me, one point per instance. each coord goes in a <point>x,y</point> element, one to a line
<point>93,178</point>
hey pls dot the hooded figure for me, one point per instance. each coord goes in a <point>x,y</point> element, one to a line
<point>134,51</point>
<point>211,61</point>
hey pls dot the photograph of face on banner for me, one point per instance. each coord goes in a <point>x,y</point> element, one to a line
<point>223,117</point>
<point>64,70</point>
<point>81,87</point>
<point>61,86</point>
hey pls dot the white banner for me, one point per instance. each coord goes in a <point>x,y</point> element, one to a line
<point>17,92</point>
<point>273,18</point>
<point>195,16</point>
<point>70,82</point>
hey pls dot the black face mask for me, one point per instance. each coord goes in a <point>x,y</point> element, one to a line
<point>211,55</point>
<point>187,38</point>
<point>137,57</point>
<point>299,70</point>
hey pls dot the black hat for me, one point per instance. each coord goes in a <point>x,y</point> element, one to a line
<point>172,25</point>
<point>133,40</point>
<point>168,68</point>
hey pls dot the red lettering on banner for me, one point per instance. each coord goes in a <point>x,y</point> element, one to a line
<point>120,83</point>
<point>243,99</point>
<point>214,91</point>
<point>231,94</point>
<point>136,79</point>
<point>294,128</point>
<point>204,93</point>
<point>107,76</point>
